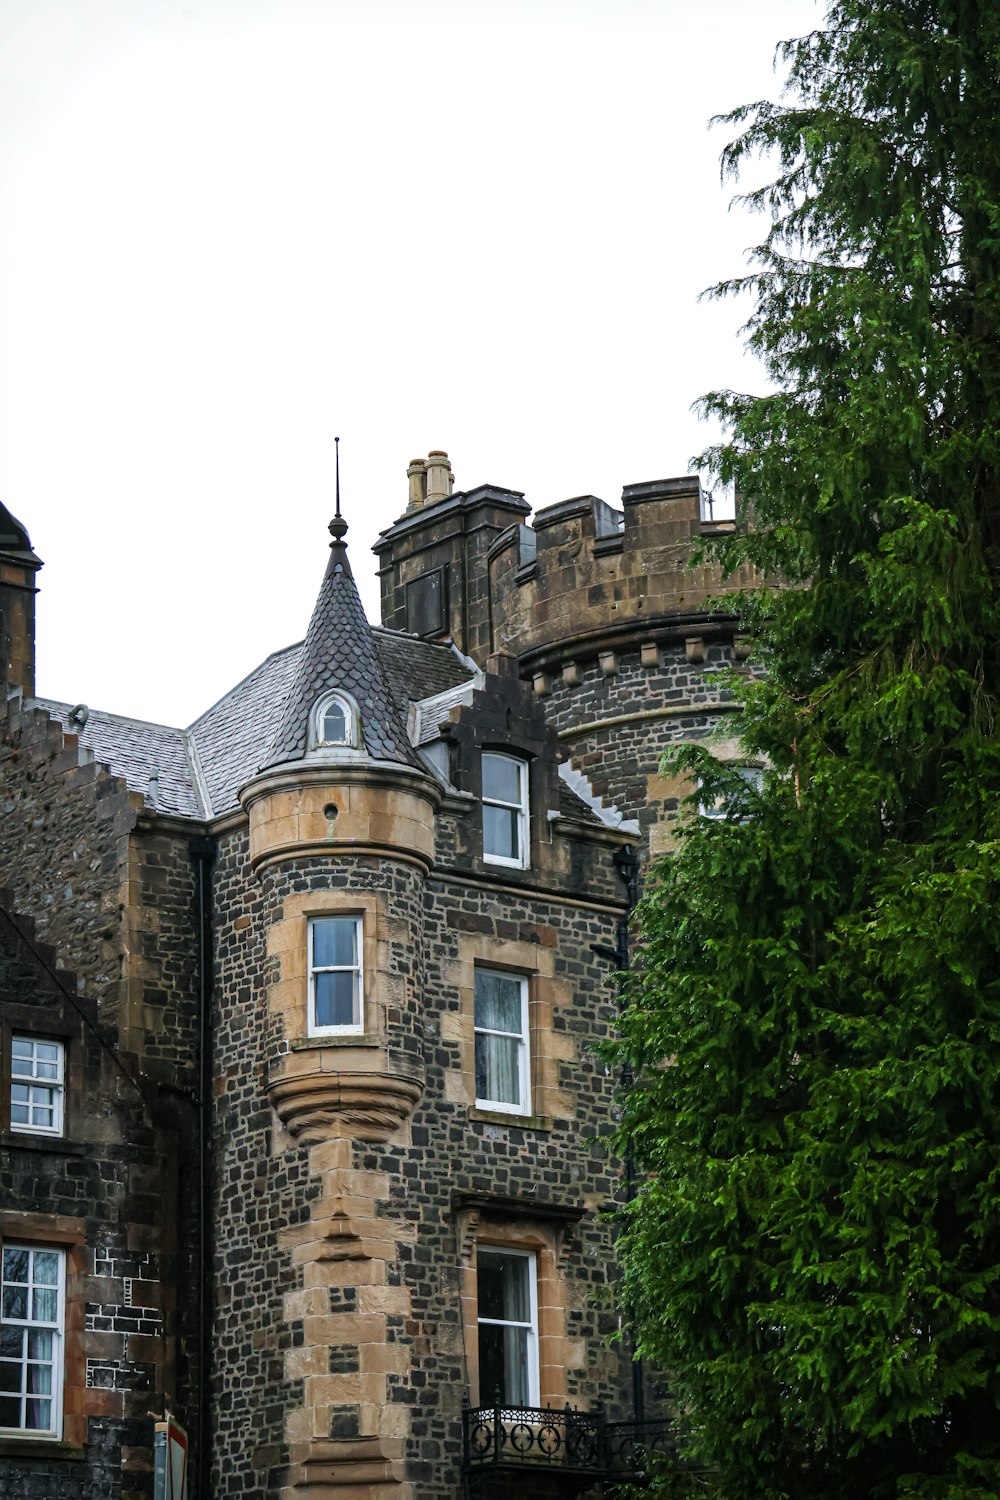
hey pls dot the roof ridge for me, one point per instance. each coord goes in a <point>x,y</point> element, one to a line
<point>106,713</point>
<point>271,656</point>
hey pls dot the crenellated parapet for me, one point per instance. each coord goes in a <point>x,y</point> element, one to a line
<point>587,579</point>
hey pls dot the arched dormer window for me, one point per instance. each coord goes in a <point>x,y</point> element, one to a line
<point>335,722</point>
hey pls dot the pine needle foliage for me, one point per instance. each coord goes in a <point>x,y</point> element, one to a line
<point>814,1255</point>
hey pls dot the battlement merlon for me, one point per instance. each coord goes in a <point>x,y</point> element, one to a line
<point>587,577</point>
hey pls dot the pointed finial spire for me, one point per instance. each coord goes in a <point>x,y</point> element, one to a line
<point>338,526</point>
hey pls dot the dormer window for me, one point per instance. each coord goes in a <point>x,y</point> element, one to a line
<point>335,722</point>
<point>505,810</point>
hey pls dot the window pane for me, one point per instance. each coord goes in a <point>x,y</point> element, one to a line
<point>497,1071</point>
<point>15,1264</point>
<point>10,1376</point>
<point>20,1052</point>
<point>40,1343</point>
<point>498,1001</point>
<point>491,1363</point>
<point>335,999</point>
<point>10,1342</point>
<point>501,778</point>
<point>37,1415</point>
<point>334,942</point>
<point>515,1366</point>
<point>45,1304</point>
<point>335,725</point>
<point>46,1268</point>
<point>10,1411</point>
<point>503,1286</point>
<point>500,832</point>
<point>503,1364</point>
<point>15,1302</point>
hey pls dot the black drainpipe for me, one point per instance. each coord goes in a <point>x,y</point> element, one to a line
<point>203,856</point>
<point>627,864</point>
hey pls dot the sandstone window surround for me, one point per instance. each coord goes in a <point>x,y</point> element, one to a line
<point>492,1232</point>
<point>32,1322</point>
<point>506,826</point>
<point>37,1085</point>
<point>339,1080</point>
<point>76,1402</point>
<point>335,722</point>
<point>546,1043</point>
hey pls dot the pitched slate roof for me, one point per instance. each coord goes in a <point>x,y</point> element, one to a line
<point>339,653</point>
<point>230,737</point>
<point>416,669</point>
<point>153,758</point>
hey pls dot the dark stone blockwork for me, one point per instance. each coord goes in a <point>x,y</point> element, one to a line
<point>271,1232</point>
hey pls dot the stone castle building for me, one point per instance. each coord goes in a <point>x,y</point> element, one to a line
<point>300,1112</point>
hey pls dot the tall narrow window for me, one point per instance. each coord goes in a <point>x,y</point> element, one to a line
<point>37,1084</point>
<point>31,1334</point>
<point>508,1327</point>
<point>505,810</point>
<point>335,975</point>
<point>501,1025</point>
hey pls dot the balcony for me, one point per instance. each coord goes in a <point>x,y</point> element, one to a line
<point>560,1453</point>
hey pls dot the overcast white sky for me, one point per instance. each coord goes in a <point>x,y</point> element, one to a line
<point>234,228</point>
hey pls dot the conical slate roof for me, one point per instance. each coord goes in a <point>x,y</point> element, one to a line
<point>339,653</point>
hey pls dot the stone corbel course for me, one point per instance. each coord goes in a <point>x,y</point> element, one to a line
<point>315,1097</point>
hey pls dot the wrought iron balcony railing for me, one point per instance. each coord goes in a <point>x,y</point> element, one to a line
<point>574,1443</point>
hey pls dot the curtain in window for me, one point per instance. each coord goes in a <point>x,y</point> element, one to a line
<point>498,1038</point>
<point>504,1303</point>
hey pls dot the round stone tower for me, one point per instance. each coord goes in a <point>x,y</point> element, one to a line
<point>612,624</point>
<point>341,836</point>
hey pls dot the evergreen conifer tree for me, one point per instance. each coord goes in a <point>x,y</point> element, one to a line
<point>814,1254</point>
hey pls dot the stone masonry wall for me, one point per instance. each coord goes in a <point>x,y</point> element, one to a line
<point>64,825</point>
<point>457,1150</point>
<point>97,1194</point>
<point>256,1195</point>
<point>117,916</point>
<point>616,721</point>
<point>391,1332</point>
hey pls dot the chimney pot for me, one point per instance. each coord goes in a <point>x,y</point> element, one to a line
<point>416,473</point>
<point>440,480</point>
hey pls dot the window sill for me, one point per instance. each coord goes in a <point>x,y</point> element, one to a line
<point>49,1448</point>
<point>508,1118</point>
<point>315,1043</point>
<point>15,1138</point>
